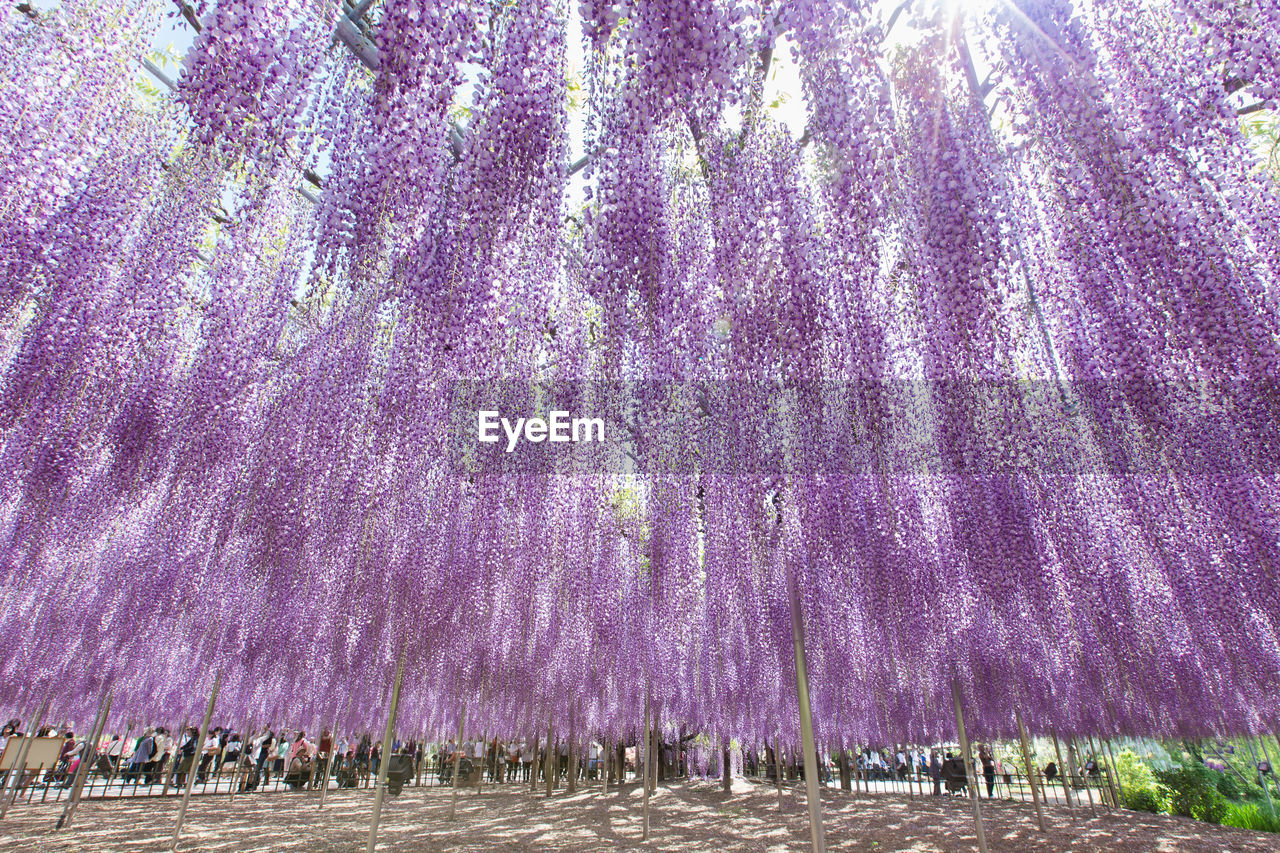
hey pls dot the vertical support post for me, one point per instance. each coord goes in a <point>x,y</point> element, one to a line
<point>87,759</point>
<point>644,777</point>
<point>777,766</point>
<point>1262,742</point>
<point>726,773</point>
<point>1031,771</point>
<point>606,765</point>
<point>571,778</point>
<point>806,721</point>
<point>535,766</point>
<point>191,774</point>
<point>333,753</point>
<point>1075,760</point>
<point>1064,772</point>
<point>19,768</point>
<point>169,771</point>
<point>457,763</point>
<point>969,769</point>
<point>1115,773</point>
<point>385,763</point>
<point>1110,793</point>
<point>551,765</point>
<point>484,758</point>
<point>1253,752</point>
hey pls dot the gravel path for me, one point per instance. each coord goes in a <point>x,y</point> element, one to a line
<point>684,817</point>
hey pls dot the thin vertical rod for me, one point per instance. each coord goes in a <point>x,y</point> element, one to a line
<point>1115,772</point>
<point>1262,742</point>
<point>1075,757</point>
<point>86,761</point>
<point>644,779</point>
<point>191,774</point>
<point>385,763</point>
<point>1031,771</point>
<point>1270,806</point>
<point>777,765</point>
<point>806,723</point>
<point>1064,772</point>
<point>333,748</point>
<point>969,769</point>
<point>457,762</point>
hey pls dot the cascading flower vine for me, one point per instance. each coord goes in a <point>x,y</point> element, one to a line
<point>978,374</point>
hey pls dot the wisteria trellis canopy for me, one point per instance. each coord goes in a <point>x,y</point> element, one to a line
<point>982,362</point>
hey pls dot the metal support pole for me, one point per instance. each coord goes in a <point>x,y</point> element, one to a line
<point>385,763</point>
<point>1031,771</point>
<point>1064,772</point>
<point>19,768</point>
<point>191,774</point>
<point>87,759</point>
<point>969,769</point>
<point>806,722</point>
<point>457,762</point>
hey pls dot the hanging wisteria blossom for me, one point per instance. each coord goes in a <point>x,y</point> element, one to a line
<point>970,376</point>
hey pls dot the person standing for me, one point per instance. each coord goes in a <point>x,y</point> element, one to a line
<point>988,768</point>
<point>935,772</point>
<point>324,750</point>
<point>265,749</point>
<point>184,757</point>
<point>142,753</point>
<point>208,754</point>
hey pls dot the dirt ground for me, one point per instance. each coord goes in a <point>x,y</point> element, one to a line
<point>683,817</point>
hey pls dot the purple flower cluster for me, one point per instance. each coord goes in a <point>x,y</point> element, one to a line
<point>985,375</point>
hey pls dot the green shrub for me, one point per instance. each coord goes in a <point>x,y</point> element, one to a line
<point>1229,786</point>
<point>1133,772</point>
<point>1190,792</point>
<point>1143,799</point>
<point>1251,816</point>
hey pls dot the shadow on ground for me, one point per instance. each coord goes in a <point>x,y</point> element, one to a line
<point>683,817</point>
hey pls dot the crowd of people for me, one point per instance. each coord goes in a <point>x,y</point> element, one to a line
<point>158,756</point>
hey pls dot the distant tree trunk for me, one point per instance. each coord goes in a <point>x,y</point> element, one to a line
<point>846,778</point>
<point>726,781</point>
